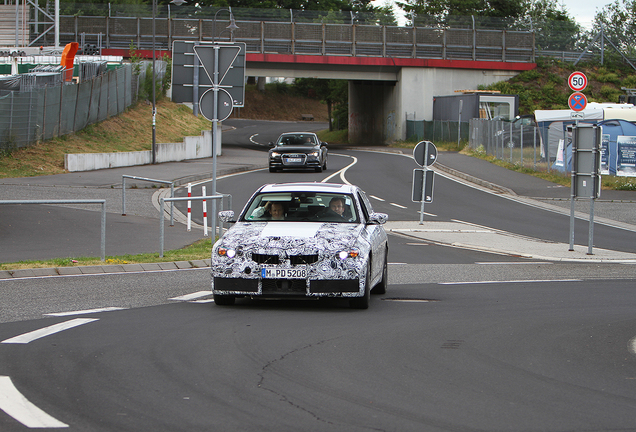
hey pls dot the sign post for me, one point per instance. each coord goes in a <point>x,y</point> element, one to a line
<point>425,154</point>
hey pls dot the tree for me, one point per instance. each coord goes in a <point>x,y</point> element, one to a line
<point>554,28</point>
<point>330,91</point>
<point>618,21</point>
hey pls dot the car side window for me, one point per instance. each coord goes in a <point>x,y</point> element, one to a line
<point>365,204</point>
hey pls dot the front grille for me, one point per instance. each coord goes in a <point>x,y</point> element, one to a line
<point>236,284</point>
<point>265,259</point>
<point>284,286</point>
<point>303,259</point>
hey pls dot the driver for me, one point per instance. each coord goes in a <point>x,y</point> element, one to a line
<point>337,205</point>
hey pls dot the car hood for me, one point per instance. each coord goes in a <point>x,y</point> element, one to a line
<point>296,149</point>
<point>295,238</point>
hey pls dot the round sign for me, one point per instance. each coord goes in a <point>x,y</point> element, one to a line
<point>224,104</point>
<point>421,150</point>
<point>577,81</point>
<point>577,101</point>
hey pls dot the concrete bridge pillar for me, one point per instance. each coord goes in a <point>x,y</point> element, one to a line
<point>378,110</point>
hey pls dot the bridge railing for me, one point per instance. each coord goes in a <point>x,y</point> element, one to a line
<point>307,38</point>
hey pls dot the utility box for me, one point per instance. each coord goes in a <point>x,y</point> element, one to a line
<point>491,106</point>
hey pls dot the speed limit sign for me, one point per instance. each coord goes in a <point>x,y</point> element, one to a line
<point>577,81</point>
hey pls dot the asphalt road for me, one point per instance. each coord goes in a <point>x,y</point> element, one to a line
<point>461,341</point>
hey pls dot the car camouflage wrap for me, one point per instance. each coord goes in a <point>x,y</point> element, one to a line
<point>302,240</point>
<point>325,249</point>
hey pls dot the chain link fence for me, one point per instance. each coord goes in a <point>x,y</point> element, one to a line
<point>513,142</point>
<point>436,130</point>
<point>27,117</point>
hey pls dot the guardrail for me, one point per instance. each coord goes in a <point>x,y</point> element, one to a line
<point>80,201</point>
<point>123,193</point>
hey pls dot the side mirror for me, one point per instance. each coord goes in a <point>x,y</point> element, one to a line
<point>378,218</point>
<point>323,143</point>
<point>271,144</point>
<point>226,216</point>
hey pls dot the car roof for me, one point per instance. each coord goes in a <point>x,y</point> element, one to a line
<point>309,187</point>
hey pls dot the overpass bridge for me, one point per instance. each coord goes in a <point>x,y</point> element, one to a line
<point>392,71</point>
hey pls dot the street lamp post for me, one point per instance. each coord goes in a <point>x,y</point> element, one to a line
<point>154,106</point>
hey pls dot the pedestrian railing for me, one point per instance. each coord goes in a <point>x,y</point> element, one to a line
<point>123,193</point>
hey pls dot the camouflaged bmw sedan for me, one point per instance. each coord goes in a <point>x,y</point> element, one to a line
<point>302,240</point>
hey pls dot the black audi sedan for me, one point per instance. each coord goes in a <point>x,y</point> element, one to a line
<point>298,150</point>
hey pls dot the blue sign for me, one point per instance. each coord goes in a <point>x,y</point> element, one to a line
<point>577,101</point>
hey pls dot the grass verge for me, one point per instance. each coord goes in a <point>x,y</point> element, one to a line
<point>199,250</point>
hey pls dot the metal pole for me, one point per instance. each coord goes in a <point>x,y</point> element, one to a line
<point>103,232</point>
<point>123,196</point>
<point>215,124</point>
<point>573,181</point>
<point>590,238</point>
<point>154,108</point>
<point>423,197</point>
<point>161,201</point>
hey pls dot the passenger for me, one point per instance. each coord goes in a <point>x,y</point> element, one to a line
<point>272,210</point>
<point>276,210</point>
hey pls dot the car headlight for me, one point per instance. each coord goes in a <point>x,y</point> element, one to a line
<point>226,252</point>
<point>275,154</point>
<point>351,253</point>
<point>314,154</point>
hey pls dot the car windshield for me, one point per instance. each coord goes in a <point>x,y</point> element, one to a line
<point>302,206</point>
<point>296,139</point>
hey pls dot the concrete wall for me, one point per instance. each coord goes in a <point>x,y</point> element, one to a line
<point>191,148</point>
<point>416,88</point>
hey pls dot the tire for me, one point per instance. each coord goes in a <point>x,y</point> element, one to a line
<point>272,169</point>
<point>381,287</point>
<point>363,302</point>
<point>223,300</point>
<point>319,169</point>
<point>324,166</point>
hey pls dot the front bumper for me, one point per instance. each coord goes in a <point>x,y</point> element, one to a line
<point>286,287</point>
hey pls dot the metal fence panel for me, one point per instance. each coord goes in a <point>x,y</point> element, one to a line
<point>68,106</point>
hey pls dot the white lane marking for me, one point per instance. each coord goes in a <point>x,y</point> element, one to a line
<point>103,274</point>
<point>418,244</point>
<point>511,281</point>
<point>192,296</point>
<point>427,214</point>
<point>47,331</point>
<point>632,345</point>
<point>343,170</point>
<point>513,262</point>
<point>84,312</point>
<point>17,406</point>
<point>398,205</point>
<point>375,197</point>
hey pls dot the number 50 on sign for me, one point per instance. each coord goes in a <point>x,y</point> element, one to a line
<point>577,81</point>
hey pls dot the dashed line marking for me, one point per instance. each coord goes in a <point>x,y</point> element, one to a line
<point>17,406</point>
<point>398,205</point>
<point>192,296</point>
<point>47,331</point>
<point>84,312</point>
<point>376,198</point>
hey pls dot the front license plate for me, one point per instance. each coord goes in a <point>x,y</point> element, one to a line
<point>293,160</point>
<point>282,273</point>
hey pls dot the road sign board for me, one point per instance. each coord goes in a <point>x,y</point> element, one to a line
<point>224,105</point>
<point>577,101</point>
<point>425,153</point>
<point>226,56</point>
<point>186,69</point>
<point>577,81</point>
<point>427,177</point>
